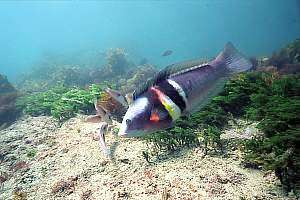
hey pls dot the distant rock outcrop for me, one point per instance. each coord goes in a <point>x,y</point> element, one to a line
<point>285,61</point>
<point>137,77</point>
<point>8,96</point>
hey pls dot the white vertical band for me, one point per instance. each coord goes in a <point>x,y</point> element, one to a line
<point>179,90</point>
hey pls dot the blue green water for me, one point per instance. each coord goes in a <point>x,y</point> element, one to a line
<point>74,30</point>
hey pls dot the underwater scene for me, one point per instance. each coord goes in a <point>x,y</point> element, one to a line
<point>107,100</point>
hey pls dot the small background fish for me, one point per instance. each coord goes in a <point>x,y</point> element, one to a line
<point>167,53</point>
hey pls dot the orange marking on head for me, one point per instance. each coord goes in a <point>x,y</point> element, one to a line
<point>154,117</point>
<point>158,93</point>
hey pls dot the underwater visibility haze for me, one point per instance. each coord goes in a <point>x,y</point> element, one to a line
<point>150,99</point>
<point>192,29</point>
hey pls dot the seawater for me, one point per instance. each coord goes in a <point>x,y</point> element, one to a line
<point>75,30</point>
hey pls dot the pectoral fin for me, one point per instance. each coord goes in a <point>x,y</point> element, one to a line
<point>93,119</point>
<point>118,96</point>
<point>129,98</point>
<point>104,115</point>
<point>103,130</point>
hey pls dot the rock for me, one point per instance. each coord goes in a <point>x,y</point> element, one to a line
<point>137,77</point>
<point>3,177</point>
<point>18,194</point>
<point>65,186</point>
<point>290,69</point>
<point>123,194</point>
<point>20,165</point>
<point>8,96</point>
<point>250,165</point>
<point>65,150</point>
<point>124,160</point>
<point>86,195</point>
<point>104,163</point>
<point>28,141</point>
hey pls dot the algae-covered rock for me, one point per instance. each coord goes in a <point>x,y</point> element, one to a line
<point>48,73</point>
<point>117,61</point>
<point>8,95</point>
<point>135,78</point>
<point>287,60</point>
<point>45,77</point>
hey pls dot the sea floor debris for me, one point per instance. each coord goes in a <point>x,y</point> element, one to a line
<point>70,165</point>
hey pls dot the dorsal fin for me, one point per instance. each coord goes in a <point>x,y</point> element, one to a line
<point>170,70</point>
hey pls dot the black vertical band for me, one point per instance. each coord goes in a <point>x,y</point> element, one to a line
<point>172,93</point>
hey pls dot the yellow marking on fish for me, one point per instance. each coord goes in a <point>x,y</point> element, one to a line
<point>169,105</point>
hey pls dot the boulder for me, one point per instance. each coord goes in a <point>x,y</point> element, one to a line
<point>8,96</point>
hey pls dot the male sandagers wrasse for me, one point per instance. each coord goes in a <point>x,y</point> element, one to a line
<point>178,90</point>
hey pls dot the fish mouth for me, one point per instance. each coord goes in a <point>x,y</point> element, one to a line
<point>130,134</point>
<point>122,134</point>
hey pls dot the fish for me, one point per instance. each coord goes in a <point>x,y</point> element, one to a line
<point>117,95</point>
<point>102,117</point>
<point>180,90</point>
<point>112,104</point>
<point>167,53</point>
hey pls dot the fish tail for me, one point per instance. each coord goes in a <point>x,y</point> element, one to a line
<point>233,60</point>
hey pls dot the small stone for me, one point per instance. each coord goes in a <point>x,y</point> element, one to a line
<point>65,150</point>
<point>28,141</point>
<point>86,195</point>
<point>20,165</point>
<point>103,163</point>
<point>124,160</point>
<point>3,177</point>
<point>95,137</point>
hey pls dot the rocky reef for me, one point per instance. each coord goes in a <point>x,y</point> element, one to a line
<point>48,74</point>
<point>136,77</point>
<point>285,61</point>
<point>43,78</point>
<point>8,96</point>
<point>252,125</point>
<point>64,90</point>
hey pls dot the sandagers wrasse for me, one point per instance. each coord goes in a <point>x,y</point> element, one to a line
<point>180,90</point>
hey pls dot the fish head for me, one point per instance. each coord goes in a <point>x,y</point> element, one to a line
<point>145,115</point>
<point>117,96</point>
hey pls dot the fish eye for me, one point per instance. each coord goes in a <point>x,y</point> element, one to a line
<point>128,122</point>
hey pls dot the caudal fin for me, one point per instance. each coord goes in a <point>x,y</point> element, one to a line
<point>232,59</point>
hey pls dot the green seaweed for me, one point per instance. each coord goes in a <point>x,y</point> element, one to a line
<point>61,102</point>
<point>278,112</point>
<point>272,100</point>
<point>31,153</point>
<point>203,127</point>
